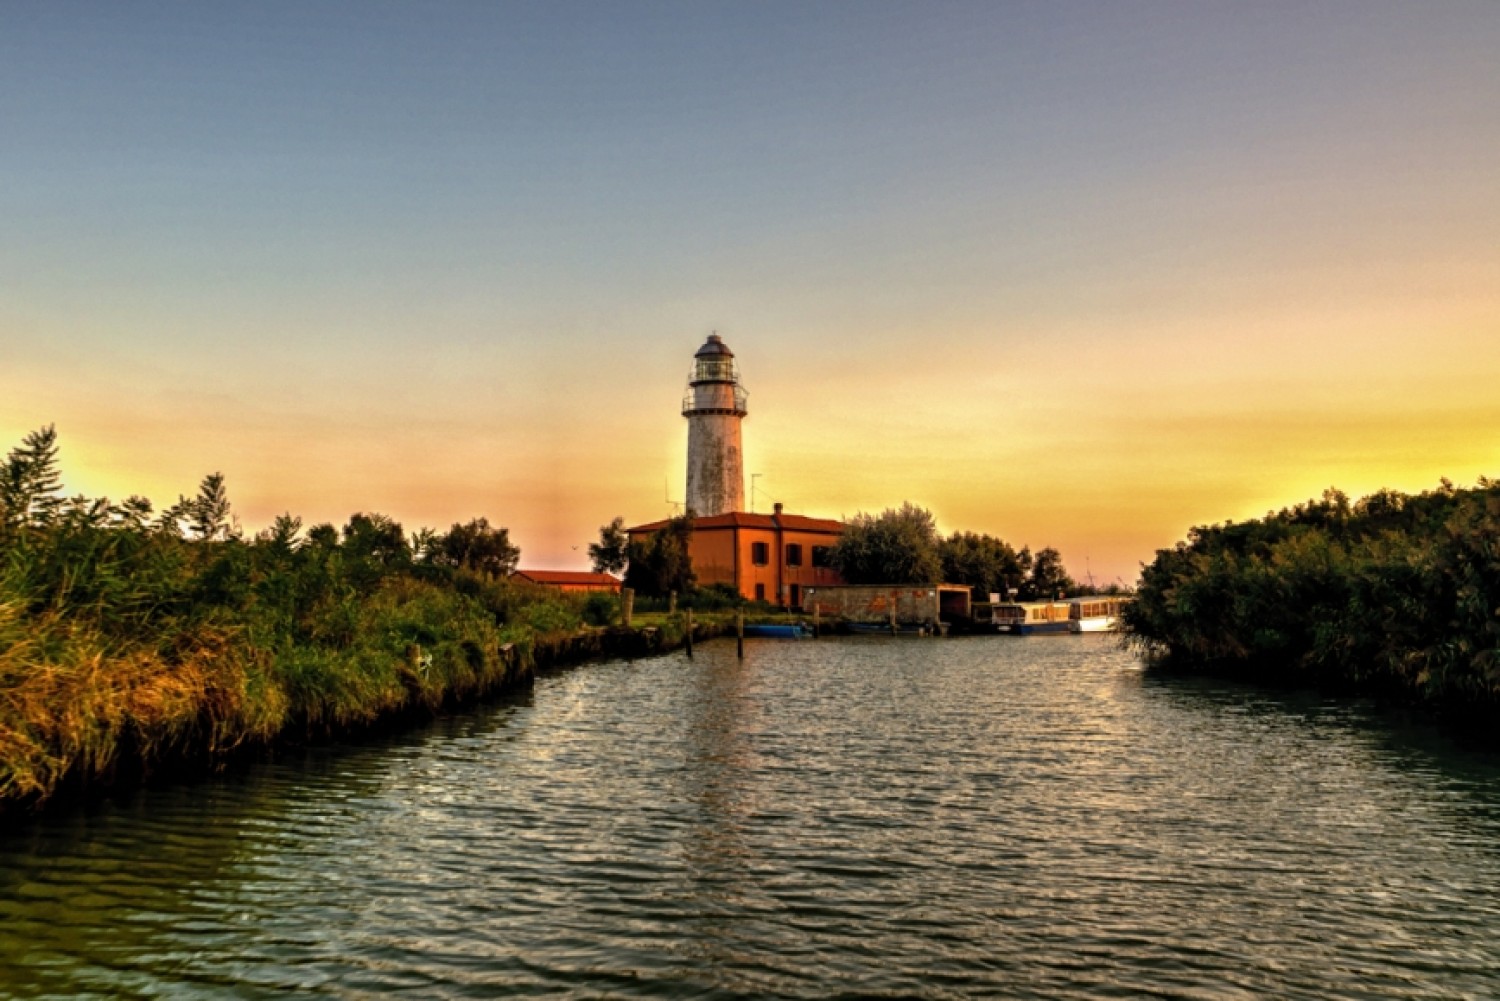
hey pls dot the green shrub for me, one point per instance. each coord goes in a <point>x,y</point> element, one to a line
<point>1397,594</point>
<point>714,598</point>
<point>601,608</point>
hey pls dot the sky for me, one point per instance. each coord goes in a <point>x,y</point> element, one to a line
<point>1074,274</point>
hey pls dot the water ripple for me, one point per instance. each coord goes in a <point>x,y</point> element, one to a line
<point>857,818</point>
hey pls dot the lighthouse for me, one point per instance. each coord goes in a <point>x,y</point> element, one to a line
<point>714,407</point>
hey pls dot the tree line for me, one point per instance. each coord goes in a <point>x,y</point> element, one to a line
<point>1395,594</point>
<point>32,507</point>
<point>902,546</point>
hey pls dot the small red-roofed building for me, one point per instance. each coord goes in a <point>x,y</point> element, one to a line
<point>578,581</point>
<point>765,557</point>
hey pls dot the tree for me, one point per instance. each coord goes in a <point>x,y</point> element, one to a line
<point>30,485</point>
<point>323,537</point>
<point>1385,503</point>
<point>133,513</point>
<point>208,514</point>
<point>899,546</point>
<point>612,551</point>
<point>1049,579</point>
<point>661,564</point>
<point>477,546</point>
<point>377,539</point>
<point>987,564</point>
<point>81,512</point>
<point>374,548</point>
<point>281,536</point>
<point>425,543</point>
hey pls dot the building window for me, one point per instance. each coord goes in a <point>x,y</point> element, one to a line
<point>760,553</point>
<point>821,556</point>
<point>760,589</point>
<point>793,555</point>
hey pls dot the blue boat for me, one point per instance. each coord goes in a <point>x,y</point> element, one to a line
<point>794,631</point>
<point>1025,618</point>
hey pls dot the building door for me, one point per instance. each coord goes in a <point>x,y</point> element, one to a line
<point>796,596</point>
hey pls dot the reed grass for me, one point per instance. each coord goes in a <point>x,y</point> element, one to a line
<point>128,650</point>
<point>72,700</point>
<point>87,694</point>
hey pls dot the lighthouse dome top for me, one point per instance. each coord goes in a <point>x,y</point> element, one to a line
<point>714,347</point>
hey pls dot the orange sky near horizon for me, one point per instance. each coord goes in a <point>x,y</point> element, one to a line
<point>1106,454</point>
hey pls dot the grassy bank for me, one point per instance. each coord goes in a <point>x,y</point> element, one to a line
<point>133,640</point>
<point>84,705</point>
<point>1395,595</point>
<point>124,650</point>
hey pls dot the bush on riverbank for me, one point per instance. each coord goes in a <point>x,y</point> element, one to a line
<point>128,638</point>
<point>1396,595</point>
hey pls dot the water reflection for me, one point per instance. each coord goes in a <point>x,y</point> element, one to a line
<point>1316,748</point>
<point>913,818</point>
<point>156,878</point>
<point>719,716</point>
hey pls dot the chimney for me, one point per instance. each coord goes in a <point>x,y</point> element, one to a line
<point>776,508</point>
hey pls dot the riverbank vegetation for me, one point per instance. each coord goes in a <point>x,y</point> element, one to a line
<point>130,636</point>
<point>1396,595</point>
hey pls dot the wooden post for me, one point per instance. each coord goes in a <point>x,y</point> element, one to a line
<point>739,632</point>
<point>627,605</point>
<point>688,615</point>
<point>894,629</point>
<point>671,602</point>
<point>815,620</point>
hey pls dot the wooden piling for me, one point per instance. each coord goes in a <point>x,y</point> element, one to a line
<point>688,615</point>
<point>815,620</point>
<point>671,602</point>
<point>739,633</point>
<point>627,605</point>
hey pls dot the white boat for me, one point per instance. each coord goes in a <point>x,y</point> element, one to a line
<point>1024,618</point>
<point>1097,613</point>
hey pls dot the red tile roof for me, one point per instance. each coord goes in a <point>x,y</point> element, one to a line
<point>575,577</point>
<point>744,519</point>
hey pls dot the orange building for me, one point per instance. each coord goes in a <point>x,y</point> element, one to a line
<point>569,580</point>
<point>765,557</point>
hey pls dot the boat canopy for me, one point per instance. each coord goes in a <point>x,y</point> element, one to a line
<point>1095,606</point>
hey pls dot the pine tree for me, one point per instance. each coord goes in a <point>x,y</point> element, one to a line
<point>30,485</point>
<point>208,513</point>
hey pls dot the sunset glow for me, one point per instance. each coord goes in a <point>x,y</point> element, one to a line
<point>1079,275</point>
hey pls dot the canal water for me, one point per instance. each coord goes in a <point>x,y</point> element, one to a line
<point>866,817</point>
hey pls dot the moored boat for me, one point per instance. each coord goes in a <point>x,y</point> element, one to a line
<point>1023,618</point>
<point>786,631</point>
<point>1098,613</point>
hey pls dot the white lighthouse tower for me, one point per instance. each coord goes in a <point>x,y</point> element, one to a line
<point>714,407</point>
